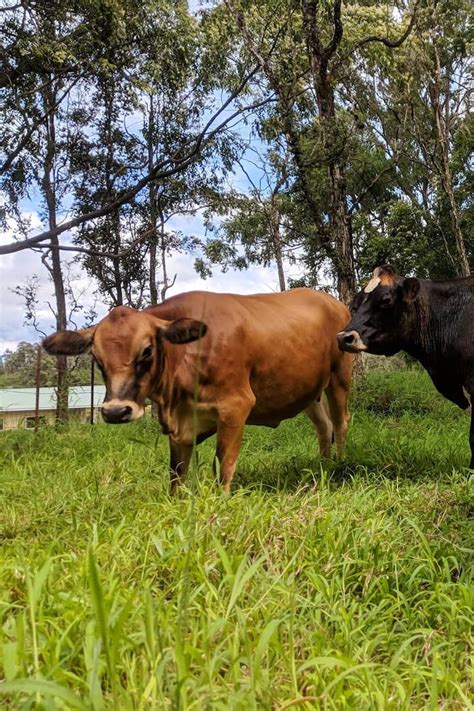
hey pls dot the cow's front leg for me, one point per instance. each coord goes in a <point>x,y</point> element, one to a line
<point>232,417</point>
<point>180,456</point>
<point>471,434</point>
<point>229,439</point>
<point>453,391</point>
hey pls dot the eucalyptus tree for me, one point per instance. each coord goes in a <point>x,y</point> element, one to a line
<point>103,160</point>
<point>47,51</point>
<point>317,51</point>
<point>415,115</point>
<point>146,104</point>
<point>439,95</point>
<point>258,225</point>
<point>177,80</point>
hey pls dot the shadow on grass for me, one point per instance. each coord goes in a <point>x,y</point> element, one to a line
<point>298,472</point>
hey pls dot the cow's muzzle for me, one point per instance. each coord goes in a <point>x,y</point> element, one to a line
<point>117,415</point>
<point>350,341</point>
<point>118,412</point>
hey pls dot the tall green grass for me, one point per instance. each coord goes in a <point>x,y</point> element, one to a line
<point>346,587</point>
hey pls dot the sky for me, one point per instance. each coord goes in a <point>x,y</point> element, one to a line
<point>16,269</point>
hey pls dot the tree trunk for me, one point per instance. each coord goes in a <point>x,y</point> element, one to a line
<point>342,230</point>
<point>447,181</point>
<point>48,185</point>
<point>442,122</point>
<point>279,263</point>
<point>153,288</point>
<point>164,268</point>
<point>276,240</point>
<point>152,207</point>
<point>339,218</point>
<point>340,250</point>
<point>116,265</point>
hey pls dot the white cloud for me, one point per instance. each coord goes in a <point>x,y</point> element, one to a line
<point>17,268</point>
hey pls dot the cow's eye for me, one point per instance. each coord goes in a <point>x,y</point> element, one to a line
<point>386,301</point>
<point>147,353</point>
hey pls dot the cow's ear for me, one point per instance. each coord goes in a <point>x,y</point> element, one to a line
<point>411,287</point>
<point>69,342</point>
<point>184,330</point>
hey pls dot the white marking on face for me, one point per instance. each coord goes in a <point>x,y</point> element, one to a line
<point>373,284</point>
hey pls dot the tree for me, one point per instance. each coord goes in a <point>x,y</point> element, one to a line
<point>103,157</point>
<point>258,227</point>
<point>107,23</point>
<point>416,217</point>
<point>307,73</point>
<point>19,368</point>
<point>36,164</point>
<point>442,60</point>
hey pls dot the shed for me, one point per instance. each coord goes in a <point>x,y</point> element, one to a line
<point>17,405</point>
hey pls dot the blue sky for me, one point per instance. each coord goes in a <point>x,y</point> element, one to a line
<point>16,269</point>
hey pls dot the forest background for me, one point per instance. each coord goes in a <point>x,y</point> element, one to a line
<point>148,145</point>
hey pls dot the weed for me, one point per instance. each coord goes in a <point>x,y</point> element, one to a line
<point>349,587</point>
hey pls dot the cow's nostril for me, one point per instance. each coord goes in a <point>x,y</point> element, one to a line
<point>117,415</point>
<point>349,338</point>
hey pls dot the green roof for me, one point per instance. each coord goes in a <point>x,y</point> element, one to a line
<point>21,399</point>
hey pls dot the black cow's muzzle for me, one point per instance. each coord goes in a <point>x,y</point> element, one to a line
<point>351,342</point>
<point>117,415</point>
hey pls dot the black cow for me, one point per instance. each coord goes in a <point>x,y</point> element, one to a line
<point>433,321</point>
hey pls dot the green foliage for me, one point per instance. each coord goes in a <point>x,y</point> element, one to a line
<point>374,140</point>
<point>382,132</point>
<point>19,368</point>
<point>348,586</point>
<point>405,245</point>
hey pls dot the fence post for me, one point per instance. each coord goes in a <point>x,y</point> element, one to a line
<point>92,391</point>
<point>37,384</point>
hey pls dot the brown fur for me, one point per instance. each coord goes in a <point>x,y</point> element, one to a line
<point>264,358</point>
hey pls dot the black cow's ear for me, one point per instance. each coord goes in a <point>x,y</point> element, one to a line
<point>184,330</point>
<point>69,342</point>
<point>411,287</point>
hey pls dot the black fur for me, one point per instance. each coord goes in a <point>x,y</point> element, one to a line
<point>432,321</point>
<point>184,330</point>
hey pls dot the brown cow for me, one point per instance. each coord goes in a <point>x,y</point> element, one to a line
<point>216,362</point>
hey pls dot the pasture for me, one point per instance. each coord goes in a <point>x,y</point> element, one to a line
<point>342,588</point>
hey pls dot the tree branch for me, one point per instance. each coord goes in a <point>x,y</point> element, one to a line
<point>392,44</point>
<point>328,51</point>
<point>95,253</point>
<point>24,141</point>
<point>163,169</point>
<point>167,287</point>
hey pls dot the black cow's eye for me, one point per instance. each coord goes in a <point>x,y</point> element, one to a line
<point>147,353</point>
<point>386,301</point>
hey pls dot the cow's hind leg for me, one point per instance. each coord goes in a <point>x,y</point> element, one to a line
<point>337,393</point>
<point>180,456</point>
<point>318,413</point>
